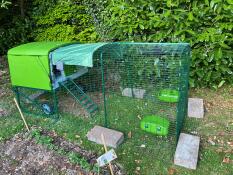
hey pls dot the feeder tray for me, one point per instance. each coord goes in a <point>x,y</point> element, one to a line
<point>169,95</point>
<point>155,125</point>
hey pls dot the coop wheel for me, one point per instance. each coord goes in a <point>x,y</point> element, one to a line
<point>47,109</point>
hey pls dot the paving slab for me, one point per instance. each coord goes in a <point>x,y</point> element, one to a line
<point>134,92</point>
<point>186,154</point>
<point>195,108</point>
<point>112,138</point>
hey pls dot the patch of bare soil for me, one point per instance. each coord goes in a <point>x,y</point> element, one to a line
<point>68,104</point>
<point>4,74</point>
<point>22,155</point>
<point>219,103</point>
<point>5,91</point>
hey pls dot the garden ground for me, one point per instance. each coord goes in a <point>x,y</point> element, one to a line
<point>216,131</point>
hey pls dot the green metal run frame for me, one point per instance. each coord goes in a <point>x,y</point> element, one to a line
<point>173,61</point>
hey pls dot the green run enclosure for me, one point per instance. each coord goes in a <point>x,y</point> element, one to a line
<point>144,85</point>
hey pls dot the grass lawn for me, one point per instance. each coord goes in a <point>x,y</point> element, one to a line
<point>143,153</point>
<point>216,130</point>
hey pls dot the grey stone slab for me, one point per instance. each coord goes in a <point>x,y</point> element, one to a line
<point>195,108</point>
<point>186,154</point>
<point>112,138</point>
<point>130,92</point>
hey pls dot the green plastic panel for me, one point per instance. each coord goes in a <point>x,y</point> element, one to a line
<point>29,71</point>
<point>155,125</point>
<point>35,48</point>
<point>29,64</point>
<point>76,54</point>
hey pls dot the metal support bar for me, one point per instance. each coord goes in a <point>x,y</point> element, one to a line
<point>103,90</point>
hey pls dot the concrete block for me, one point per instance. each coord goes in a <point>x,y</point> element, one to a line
<point>195,108</point>
<point>112,138</point>
<point>186,154</point>
<point>130,92</point>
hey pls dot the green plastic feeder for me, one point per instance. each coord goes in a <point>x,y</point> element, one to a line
<point>155,125</point>
<point>169,95</point>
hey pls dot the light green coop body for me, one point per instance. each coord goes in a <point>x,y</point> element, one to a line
<point>29,64</point>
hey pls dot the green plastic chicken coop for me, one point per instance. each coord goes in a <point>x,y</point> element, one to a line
<point>149,79</point>
<point>42,67</point>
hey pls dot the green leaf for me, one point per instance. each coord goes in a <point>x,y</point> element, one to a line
<point>221,83</point>
<point>218,53</point>
<point>190,16</point>
<point>167,13</point>
<point>130,30</point>
<point>191,82</point>
<point>225,46</point>
<point>169,3</point>
<point>230,2</point>
<point>207,2</point>
<point>212,3</point>
<point>141,26</point>
<point>190,32</point>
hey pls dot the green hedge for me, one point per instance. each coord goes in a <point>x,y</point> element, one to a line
<point>207,25</point>
<point>15,28</point>
<point>62,20</point>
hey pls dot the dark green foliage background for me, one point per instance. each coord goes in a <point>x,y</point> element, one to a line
<point>62,20</point>
<point>206,25</point>
<point>15,28</point>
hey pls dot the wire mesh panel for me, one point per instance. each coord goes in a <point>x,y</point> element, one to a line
<point>36,101</point>
<point>145,86</point>
<point>142,91</point>
<point>141,85</point>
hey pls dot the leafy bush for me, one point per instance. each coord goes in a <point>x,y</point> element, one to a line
<point>14,28</point>
<point>62,20</point>
<point>206,25</point>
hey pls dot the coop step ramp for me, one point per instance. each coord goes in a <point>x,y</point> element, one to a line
<point>79,95</point>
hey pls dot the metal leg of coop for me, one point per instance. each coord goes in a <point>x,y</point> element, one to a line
<point>22,98</point>
<point>103,91</point>
<point>16,91</point>
<point>55,104</point>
